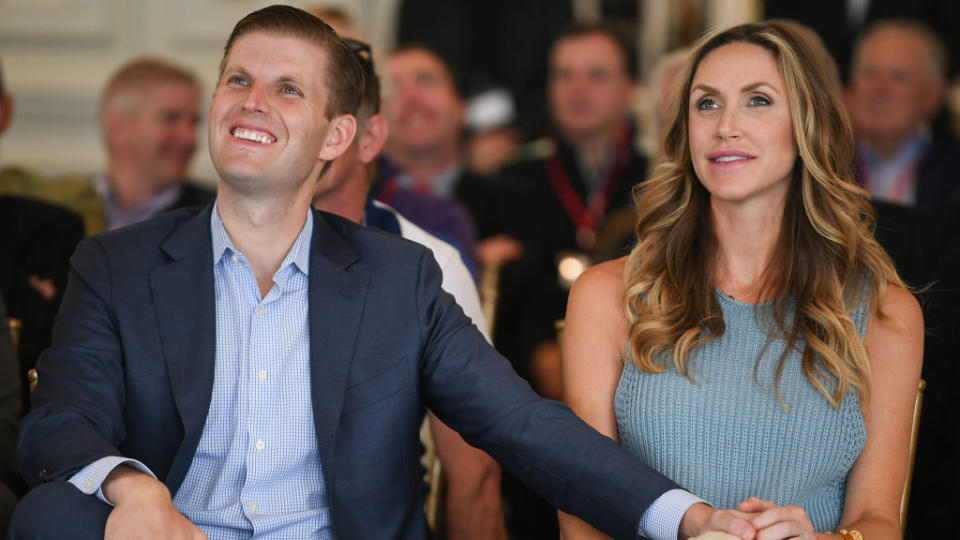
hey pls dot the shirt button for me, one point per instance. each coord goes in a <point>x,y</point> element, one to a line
<point>253,506</point>
<point>262,374</point>
<point>260,445</point>
<point>234,258</point>
<point>89,484</point>
<point>261,311</point>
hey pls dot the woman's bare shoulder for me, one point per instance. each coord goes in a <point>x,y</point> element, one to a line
<point>897,336</point>
<point>604,277</point>
<point>599,291</point>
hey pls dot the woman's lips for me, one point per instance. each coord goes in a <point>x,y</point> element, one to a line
<point>725,160</point>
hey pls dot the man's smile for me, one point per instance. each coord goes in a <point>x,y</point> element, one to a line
<point>254,135</point>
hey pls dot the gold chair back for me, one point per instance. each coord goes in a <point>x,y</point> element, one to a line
<point>433,504</point>
<point>15,327</point>
<point>914,433</point>
<point>489,294</point>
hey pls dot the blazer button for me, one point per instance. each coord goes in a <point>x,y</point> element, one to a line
<point>43,475</point>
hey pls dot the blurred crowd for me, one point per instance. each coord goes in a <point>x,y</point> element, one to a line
<point>517,134</point>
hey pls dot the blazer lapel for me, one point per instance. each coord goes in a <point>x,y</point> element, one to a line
<point>337,298</point>
<point>183,295</point>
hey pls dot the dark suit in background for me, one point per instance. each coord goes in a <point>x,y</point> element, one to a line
<point>37,242</point>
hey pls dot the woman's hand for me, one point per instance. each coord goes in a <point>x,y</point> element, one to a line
<point>778,522</point>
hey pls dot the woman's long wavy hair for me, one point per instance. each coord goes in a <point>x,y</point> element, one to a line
<point>825,254</point>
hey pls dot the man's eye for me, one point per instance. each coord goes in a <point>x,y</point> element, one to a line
<point>707,103</point>
<point>238,80</point>
<point>290,90</point>
<point>759,101</point>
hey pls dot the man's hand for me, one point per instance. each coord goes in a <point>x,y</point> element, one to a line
<point>143,509</point>
<point>701,518</point>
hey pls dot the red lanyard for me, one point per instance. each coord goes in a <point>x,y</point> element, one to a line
<point>587,217</point>
<point>389,191</point>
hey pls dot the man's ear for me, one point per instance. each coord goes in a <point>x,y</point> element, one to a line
<point>340,134</point>
<point>6,112</point>
<point>373,138</point>
<point>114,127</point>
<point>936,93</point>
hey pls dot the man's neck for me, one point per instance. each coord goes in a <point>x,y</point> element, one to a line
<point>593,148</point>
<point>887,146</point>
<point>128,186</point>
<point>349,200</point>
<point>263,230</point>
<point>423,165</point>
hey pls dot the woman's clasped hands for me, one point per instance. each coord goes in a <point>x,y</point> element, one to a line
<point>774,522</point>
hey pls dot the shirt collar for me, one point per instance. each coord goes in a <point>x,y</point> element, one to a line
<point>911,148</point>
<point>299,254</point>
<point>441,184</point>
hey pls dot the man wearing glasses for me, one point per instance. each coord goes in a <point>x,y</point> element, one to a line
<point>257,369</point>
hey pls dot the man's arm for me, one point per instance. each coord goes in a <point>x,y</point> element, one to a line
<point>77,406</point>
<point>476,392</point>
<point>474,505</point>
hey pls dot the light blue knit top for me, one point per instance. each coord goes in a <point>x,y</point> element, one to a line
<point>726,437</point>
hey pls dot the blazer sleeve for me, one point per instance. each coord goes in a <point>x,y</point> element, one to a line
<point>77,414</point>
<point>475,390</point>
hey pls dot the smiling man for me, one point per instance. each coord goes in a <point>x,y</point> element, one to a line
<point>897,87</point>
<point>259,369</point>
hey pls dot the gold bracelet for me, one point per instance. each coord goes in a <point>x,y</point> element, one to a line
<point>851,534</point>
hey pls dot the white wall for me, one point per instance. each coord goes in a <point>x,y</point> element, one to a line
<point>57,55</point>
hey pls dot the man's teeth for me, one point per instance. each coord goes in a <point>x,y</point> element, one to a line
<point>252,135</point>
<point>729,158</point>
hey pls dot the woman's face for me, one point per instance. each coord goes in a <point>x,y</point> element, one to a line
<point>741,134</point>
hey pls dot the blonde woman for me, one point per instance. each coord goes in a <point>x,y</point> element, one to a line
<point>757,346</point>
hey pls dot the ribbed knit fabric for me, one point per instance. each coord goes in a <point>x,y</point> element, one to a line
<point>725,437</point>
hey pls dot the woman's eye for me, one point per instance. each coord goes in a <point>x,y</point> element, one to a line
<point>707,103</point>
<point>759,101</point>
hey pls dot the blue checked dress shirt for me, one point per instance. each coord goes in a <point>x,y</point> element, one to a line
<point>256,472</point>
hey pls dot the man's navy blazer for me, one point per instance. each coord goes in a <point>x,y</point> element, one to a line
<point>131,369</point>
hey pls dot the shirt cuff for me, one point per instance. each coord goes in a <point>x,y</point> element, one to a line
<point>661,520</point>
<point>91,477</point>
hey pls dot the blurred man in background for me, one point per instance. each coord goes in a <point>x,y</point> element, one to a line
<point>582,176</point>
<point>896,88</point>
<point>568,206</point>
<point>149,112</point>
<point>473,505</point>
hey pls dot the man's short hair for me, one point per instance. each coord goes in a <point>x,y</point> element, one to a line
<point>135,78</point>
<point>939,59</point>
<point>344,77</point>
<point>580,30</point>
<point>456,81</point>
<point>370,99</point>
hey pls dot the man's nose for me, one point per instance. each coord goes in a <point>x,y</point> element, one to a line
<point>256,99</point>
